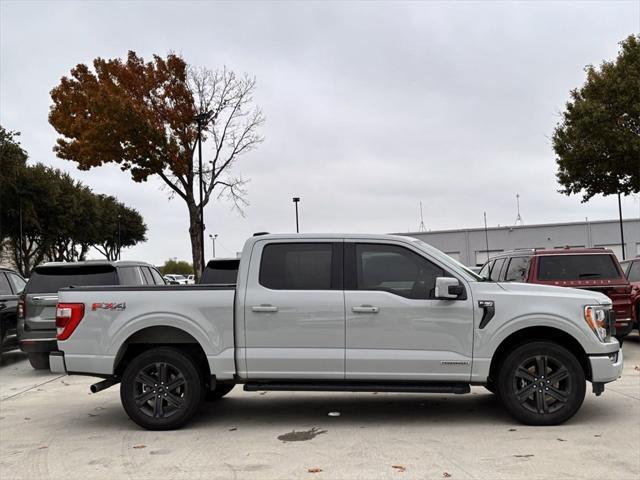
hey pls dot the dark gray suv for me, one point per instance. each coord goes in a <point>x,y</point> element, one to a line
<point>37,304</point>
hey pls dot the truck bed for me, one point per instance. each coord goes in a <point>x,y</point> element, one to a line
<point>117,315</point>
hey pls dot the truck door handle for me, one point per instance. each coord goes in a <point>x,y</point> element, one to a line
<point>264,308</point>
<point>365,309</point>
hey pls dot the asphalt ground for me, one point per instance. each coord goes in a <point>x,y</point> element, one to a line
<point>51,427</point>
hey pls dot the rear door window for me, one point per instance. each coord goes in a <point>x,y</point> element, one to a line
<point>296,266</point>
<point>130,276</point>
<point>17,281</point>
<point>52,279</point>
<point>157,278</point>
<point>146,274</point>
<point>517,269</point>
<point>634,272</point>
<point>578,267</point>
<point>5,288</point>
<point>497,267</point>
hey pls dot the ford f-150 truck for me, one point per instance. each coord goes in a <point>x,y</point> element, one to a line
<point>340,313</point>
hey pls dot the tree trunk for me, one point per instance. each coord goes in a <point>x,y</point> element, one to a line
<point>194,234</point>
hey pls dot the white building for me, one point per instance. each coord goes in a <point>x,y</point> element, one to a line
<point>469,246</point>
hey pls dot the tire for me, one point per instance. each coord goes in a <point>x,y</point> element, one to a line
<point>39,360</point>
<point>559,394</point>
<point>220,391</point>
<point>148,400</point>
<point>491,387</point>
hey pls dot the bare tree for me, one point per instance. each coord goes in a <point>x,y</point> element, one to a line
<point>231,129</point>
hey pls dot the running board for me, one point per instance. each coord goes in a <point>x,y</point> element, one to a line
<point>347,386</point>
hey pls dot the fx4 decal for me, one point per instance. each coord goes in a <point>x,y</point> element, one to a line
<point>108,306</point>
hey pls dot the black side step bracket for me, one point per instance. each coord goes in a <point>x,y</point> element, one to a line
<point>422,387</point>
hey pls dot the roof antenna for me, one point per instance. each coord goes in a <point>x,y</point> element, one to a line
<point>421,228</point>
<point>518,218</point>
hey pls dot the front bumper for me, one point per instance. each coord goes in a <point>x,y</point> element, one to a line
<point>606,368</point>
<point>57,363</point>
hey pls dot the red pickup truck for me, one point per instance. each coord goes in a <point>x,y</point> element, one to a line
<point>585,268</point>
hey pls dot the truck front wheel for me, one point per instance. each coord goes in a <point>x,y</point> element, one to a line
<point>541,383</point>
<point>161,389</point>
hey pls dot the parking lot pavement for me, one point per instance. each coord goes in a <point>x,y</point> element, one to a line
<point>52,427</point>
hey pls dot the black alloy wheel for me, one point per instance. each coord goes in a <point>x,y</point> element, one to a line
<point>541,383</point>
<point>161,388</point>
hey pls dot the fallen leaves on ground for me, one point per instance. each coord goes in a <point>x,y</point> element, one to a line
<point>446,474</point>
<point>139,446</point>
<point>561,439</point>
<point>399,468</point>
<point>314,470</point>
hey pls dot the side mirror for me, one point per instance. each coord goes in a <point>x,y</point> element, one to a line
<point>448,288</point>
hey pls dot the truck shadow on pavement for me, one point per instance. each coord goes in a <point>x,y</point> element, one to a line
<point>361,410</point>
<point>13,356</point>
<point>354,409</point>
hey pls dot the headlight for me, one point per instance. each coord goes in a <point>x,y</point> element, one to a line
<point>596,318</point>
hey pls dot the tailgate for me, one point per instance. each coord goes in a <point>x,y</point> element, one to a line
<point>40,311</point>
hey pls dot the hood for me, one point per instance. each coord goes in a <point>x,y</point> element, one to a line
<point>552,291</point>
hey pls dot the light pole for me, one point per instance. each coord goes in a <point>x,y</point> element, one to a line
<point>621,229</point>
<point>213,242</point>
<point>202,119</point>
<point>295,201</point>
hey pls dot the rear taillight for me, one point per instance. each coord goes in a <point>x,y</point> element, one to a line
<point>22,311</point>
<point>68,316</point>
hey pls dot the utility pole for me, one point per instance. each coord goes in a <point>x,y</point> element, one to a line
<point>295,201</point>
<point>621,229</point>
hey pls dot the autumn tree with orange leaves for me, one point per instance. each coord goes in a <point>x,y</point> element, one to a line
<point>142,116</point>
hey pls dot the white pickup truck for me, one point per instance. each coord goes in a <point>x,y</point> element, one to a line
<point>340,313</point>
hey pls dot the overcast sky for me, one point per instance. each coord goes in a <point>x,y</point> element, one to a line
<point>371,107</point>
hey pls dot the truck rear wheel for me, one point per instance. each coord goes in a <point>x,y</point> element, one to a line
<point>541,383</point>
<point>161,389</point>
